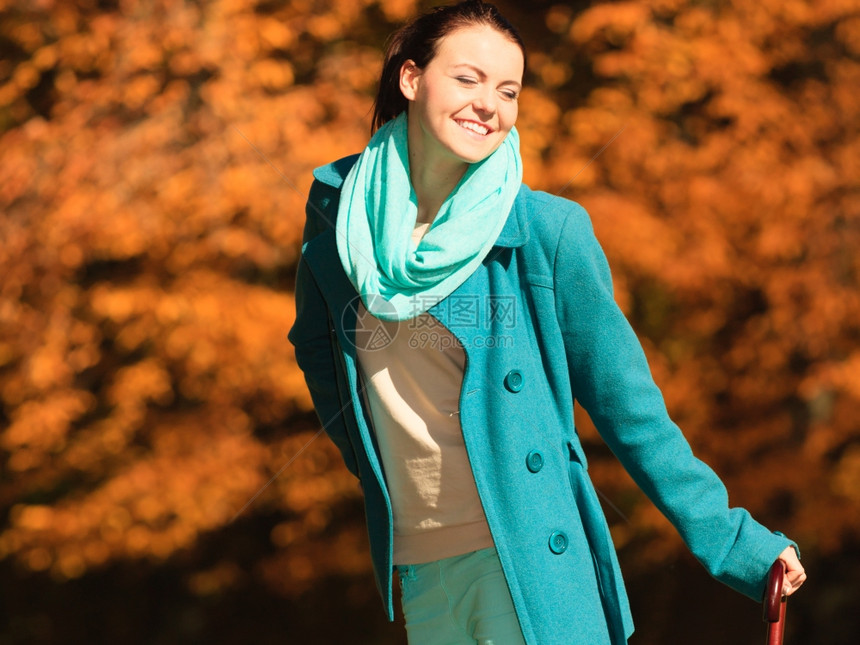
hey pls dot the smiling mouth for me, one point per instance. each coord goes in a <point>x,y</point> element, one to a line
<point>477,128</point>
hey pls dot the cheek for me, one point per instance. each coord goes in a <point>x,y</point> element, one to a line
<point>435,97</point>
<point>509,115</point>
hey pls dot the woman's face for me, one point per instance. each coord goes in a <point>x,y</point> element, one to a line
<point>463,103</point>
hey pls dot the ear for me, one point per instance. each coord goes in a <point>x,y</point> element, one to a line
<point>410,75</point>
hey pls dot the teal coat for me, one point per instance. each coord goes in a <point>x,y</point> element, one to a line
<point>540,328</point>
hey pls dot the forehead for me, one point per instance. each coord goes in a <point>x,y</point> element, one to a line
<point>481,45</point>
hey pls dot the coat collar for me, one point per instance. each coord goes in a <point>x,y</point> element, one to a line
<point>514,233</point>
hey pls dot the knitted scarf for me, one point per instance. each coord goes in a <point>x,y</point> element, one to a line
<point>377,215</point>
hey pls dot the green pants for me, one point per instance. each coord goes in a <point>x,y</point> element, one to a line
<point>459,600</point>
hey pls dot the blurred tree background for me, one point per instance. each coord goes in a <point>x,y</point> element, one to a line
<point>154,160</point>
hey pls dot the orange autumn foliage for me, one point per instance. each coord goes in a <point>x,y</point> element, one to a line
<point>154,160</point>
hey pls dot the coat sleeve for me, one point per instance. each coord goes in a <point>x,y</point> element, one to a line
<point>312,336</point>
<point>611,379</point>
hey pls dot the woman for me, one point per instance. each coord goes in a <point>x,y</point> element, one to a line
<point>447,318</point>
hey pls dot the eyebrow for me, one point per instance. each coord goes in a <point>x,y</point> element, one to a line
<point>482,74</point>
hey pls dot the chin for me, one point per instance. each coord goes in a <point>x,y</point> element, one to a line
<point>474,154</point>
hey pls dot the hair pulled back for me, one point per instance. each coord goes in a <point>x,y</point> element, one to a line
<point>418,41</point>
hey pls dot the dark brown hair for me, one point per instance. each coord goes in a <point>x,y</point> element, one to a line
<point>418,41</point>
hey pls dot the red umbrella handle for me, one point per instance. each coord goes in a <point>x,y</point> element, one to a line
<point>774,604</point>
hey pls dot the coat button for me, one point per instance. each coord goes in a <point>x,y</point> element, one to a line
<point>558,542</point>
<point>514,381</point>
<point>534,461</point>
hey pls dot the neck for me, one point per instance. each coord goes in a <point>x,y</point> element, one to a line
<point>432,185</point>
<point>433,176</point>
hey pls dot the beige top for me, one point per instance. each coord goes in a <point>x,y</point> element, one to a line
<point>412,387</point>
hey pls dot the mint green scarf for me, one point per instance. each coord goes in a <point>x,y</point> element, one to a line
<point>377,215</point>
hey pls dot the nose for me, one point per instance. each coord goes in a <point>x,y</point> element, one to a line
<point>485,101</point>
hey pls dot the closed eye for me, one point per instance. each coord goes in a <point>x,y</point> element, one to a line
<point>465,80</point>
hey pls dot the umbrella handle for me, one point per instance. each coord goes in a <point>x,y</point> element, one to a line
<point>774,604</point>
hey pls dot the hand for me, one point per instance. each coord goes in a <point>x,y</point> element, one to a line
<point>794,572</point>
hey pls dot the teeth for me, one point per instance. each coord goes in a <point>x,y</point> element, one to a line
<point>474,127</point>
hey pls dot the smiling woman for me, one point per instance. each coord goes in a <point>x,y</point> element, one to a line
<point>472,83</point>
<point>476,485</point>
<point>463,104</point>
